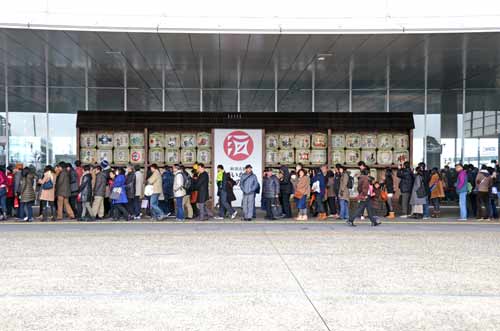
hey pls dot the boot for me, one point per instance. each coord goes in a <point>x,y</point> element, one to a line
<point>304,217</point>
<point>322,216</point>
<point>391,215</point>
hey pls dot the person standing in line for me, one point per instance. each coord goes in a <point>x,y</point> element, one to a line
<point>437,191</point>
<point>319,187</point>
<point>74,184</point>
<point>156,181</point>
<point>99,193</point>
<point>285,191</point>
<point>168,190</point>
<point>222,192</point>
<point>18,176</point>
<point>108,173</point>
<point>330,193</point>
<point>85,190</point>
<point>3,194</point>
<point>63,191</point>
<point>179,193</point>
<point>119,196</point>
<point>483,184</point>
<point>186,201</point>
<point>27,195</point>
<point>248,185</point>
<point>405,187</point>
<point>47,197</point>
<point>270,192</point>
<point>418,194</point>
<point>344,193</point>
<point>426,177</point>
<point>365,195</point>
<point>139,192</point>
<point>130,188</point>
<point>10,191</point>
<point>461,189</point>
<point>302,191</point>
<point>203,195</point>
<point>388,185</point>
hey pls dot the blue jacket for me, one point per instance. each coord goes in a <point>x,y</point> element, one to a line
<point>249,183</point>
<point>120,182</point>
<point>168,184</point>
<point>322,182</point>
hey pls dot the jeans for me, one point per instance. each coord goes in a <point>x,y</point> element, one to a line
<point>493,213</point>
<point>248,205</point>
<point>3,200</point>
<point>435,203</point>
<point>344,209</point>
<point>205,214</point>
<point>320,207</point>
<point>269,208</point>
<point>155,208</point>
<point>120,210</point>
<point>224,205</point>
<point>462,201</point>
<point>179,208</point>
<point>362,205</point>
<point>332,205</point>
<point>27,209</point>
<point>48,205</point>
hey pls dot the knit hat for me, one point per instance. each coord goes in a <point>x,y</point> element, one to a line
<point>104,164</point>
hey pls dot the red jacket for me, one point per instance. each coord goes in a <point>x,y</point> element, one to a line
<point>10,185</point>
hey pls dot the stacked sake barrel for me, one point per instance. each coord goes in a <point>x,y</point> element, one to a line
<point>287,149</point>
<point>117,148</point>
<point>185,148</point>
<point>384,149</point>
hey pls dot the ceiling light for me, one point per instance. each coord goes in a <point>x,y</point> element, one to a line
<point>321,58</point>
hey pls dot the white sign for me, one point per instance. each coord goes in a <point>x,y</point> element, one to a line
<point>234,149</point>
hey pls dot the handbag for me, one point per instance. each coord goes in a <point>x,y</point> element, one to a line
<point>276,209</point>
<point>115,193</point>
<point>144,204</point>
<point>48,185</point>
<point>383,195</point>
<point>421,191</point>
<point>148,190</point>
<point>298,195</point>
<point>194,196</point>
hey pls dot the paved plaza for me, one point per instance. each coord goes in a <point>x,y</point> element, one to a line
<point>250,276</point>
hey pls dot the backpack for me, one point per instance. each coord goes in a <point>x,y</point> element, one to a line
<point>350,182</point>
<point>188,181</point>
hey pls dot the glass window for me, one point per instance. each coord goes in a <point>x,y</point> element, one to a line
<point>28,139</point>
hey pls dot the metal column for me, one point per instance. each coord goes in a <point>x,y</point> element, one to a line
<point>124,83</point>
<point>464,81</point>
<point>426,72</point>
<point>276,86</point>
<point>313,86</point>
<point>163,87</point>
<point>201,84</point>
<point>238,85</point>
<point>47,160</point>
<point>86,82</point>
<point>387,83</point>
<point>351,67</point>
<point>6,97</point>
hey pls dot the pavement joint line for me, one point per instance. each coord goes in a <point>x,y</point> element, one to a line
<point>254,222</point>
<point>297,281</point>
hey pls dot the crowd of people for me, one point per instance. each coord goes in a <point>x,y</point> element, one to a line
<point>98,191</point>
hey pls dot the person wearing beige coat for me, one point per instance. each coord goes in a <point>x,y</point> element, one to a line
<point>156,181</point>
<point>47,196</point>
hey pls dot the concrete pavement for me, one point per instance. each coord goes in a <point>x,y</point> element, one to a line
<point>249,276</point>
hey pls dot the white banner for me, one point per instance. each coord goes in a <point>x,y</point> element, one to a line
<point>234,149</point>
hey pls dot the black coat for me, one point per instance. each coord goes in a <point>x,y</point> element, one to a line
<point>85,188</point>
<point>229,184</point>
<point>202,187</point>
<point>285,184</point>
<point>130,185</point>
<point>389,182</point>
<point>406,180</point>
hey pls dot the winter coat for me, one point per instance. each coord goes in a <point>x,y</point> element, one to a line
<point>436,187</point>
<point>130,185</point>
<point>322,183</point>
<point>406,180</point>
<point>120,182</point>
<point>10,185</point>
<point>249,183</point>
<point>229,187</point>
<point>202,187</point>
<point>74,183</point>
<point>303,186</point>
<point>85,188</point>
<point>389,182</point>
<point>156,181</point>
<point>483,181</point>
<point>285,184</point>
<point>270,187</point>
<point>414,199</point>
<point>139,184</point>
<point>17,181</point>
<point>48,195</point>
<point>63,187</point>
<point>461,184</point>
<point>344,190</point>
<point>363,186</point>
<point>168,184</point>
<point>100,185</point>
<point>426,177</point>
<point>330,185</point>
<point>27,190</point>
<point>178,187</point>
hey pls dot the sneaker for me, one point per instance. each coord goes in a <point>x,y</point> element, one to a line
<point>233,216</point>
<point>462,219</point>
<point>168,215</point>
<point>403,216</point>
<point>218,218</point>
<point>25,219</point>
<point>179,220</point>
<point>425,218</point>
